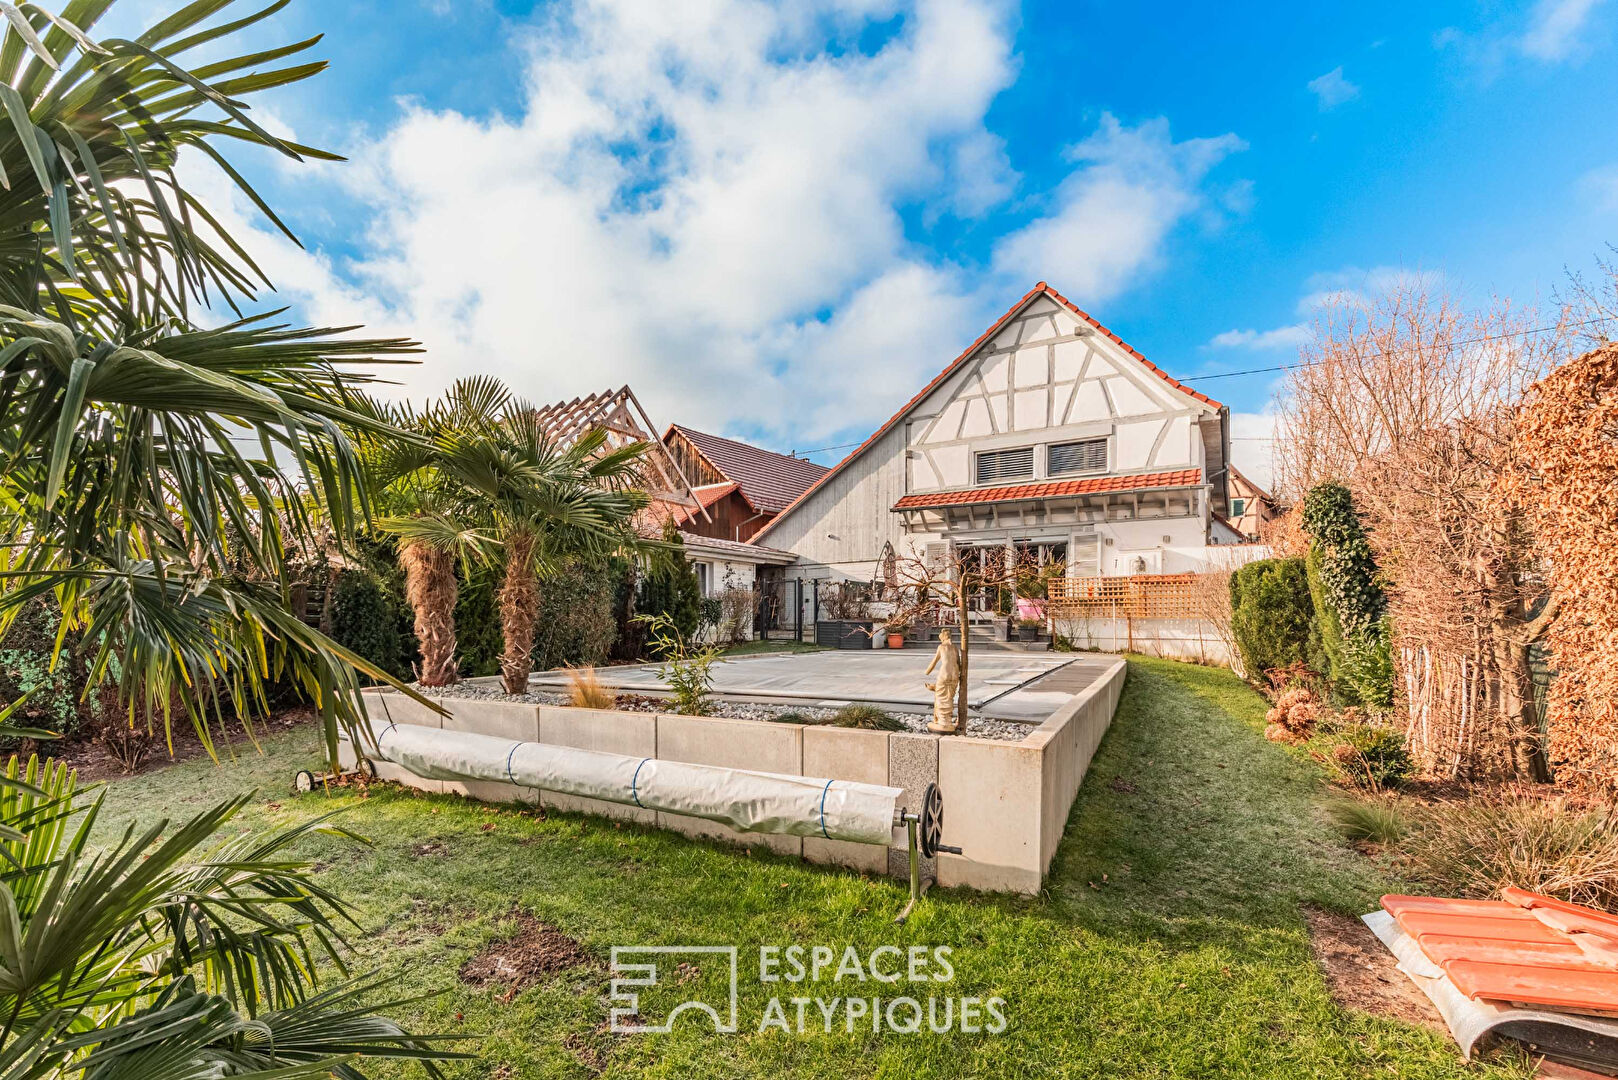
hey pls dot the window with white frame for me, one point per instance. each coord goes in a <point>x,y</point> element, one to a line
<point>997,465</point>
<point>704,575</point>
<point>1084,456</point>
<point>1238,507</point>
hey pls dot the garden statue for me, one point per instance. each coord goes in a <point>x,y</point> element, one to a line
<point>944,688</point>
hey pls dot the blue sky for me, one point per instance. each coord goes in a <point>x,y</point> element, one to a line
<point>777,221</point>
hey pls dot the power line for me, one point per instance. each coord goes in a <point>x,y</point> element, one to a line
<point>1309,363</point>
<point>823,449</point>
<point>1452,345</point>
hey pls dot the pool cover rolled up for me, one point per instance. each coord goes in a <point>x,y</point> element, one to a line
<point>746,801</point>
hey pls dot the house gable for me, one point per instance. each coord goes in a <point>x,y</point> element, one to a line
<point>1044,367</point>
<point>1047,377</point>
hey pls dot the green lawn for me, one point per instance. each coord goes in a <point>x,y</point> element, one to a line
<point>1187,956</point>
<point>760,645</point>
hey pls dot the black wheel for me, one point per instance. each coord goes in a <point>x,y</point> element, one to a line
<point>932,820</point>
<point>304,781</point>
<point>367,768</point>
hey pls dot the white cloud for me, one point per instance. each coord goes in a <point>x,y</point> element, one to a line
<point>1110,217</point>
<point>1555,26</point>
<point>1331,89</point>
<point>702,201</point>
<point>1355,283</point>
<point>1282,337</point>
<point>1599,187</point>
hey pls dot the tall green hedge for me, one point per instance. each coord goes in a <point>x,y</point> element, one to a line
<point>54,703</point>
<point>576,625</point>
<point>1271,614</point>
<point>669,586</point>
<point>366,616</point>
<point>1350,605</point>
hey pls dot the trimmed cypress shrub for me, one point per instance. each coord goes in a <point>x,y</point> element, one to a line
<point>1271,614</point>
<point>670,587</point>
<point>1350,607</point>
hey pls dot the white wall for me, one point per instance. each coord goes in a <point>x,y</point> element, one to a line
<point>1048,377</point>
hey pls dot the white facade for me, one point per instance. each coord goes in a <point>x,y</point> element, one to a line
<point>725,565</point>
<point>1010,444</point>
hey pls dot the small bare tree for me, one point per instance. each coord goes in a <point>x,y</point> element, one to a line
<point>1412,401</point>
<point>929,587</point>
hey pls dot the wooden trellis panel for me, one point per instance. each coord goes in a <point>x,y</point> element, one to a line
<point>1140,596</point>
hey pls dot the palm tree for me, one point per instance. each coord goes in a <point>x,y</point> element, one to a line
<point>484,482</point>
<point>141,487</point>
<point>171,953</point>
<point>139,450</point>
<point>545,504</point>
<point>426,502</point>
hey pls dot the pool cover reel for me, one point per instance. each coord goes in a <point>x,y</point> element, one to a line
<point>746,801</point>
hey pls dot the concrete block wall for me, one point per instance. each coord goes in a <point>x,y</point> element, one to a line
<point>1196,640</point>
<point>1005,803</point>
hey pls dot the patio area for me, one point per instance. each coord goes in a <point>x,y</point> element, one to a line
<point>1021,687</point>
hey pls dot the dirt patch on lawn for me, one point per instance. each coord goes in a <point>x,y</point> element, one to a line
<point>1362,973</point>
<point>519,961</point>
<point>95,764</point>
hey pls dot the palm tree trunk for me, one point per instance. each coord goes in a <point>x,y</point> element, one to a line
<point>519,607</point>
<point>431,591</point>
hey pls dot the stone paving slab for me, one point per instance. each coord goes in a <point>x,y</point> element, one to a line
<point>1020,686</point>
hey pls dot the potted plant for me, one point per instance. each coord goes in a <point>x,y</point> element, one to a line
<point>845,621</point>
<point>1030,630</point>
<point>897,629</point>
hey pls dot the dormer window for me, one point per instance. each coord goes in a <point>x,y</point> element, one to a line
<point>1086,456</point>
<point>997,465</point>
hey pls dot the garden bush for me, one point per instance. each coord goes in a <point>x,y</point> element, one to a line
<point>1271,614</point>
<point>575,626</point>
<point>868,717</point>
<point>1293,715</point>
<point>365,618</point>
<point>1481,845</point>
<point>478,640</point>
<point>25,668</point>
<point>669,588</point>
<point>1370,756</point>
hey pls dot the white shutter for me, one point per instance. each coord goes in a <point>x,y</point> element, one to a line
<point>997,465</point>
<point>1087,456</point>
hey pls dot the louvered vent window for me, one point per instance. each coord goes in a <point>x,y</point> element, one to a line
<point>997,465</point>
<point>1079,457</point>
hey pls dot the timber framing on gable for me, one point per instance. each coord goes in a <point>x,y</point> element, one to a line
<point>1044,367</point>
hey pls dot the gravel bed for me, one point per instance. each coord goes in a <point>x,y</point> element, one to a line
<point>978,727</point>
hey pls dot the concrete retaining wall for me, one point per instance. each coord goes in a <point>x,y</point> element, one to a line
<point>1172,639</point>
<point>1005,803</point>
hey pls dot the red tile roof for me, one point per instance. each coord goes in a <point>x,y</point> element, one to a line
<point>768,481</point>
<point>1524,948</point>
<point>705,496</point>
<point>1048,488</point>
<point>1039,288</point>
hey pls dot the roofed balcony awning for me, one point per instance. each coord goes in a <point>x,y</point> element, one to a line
<point>1056,502</point>
<point>1045,489</point>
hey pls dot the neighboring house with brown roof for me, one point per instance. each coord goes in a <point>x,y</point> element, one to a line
<point>1048,434</point>
<point>1250,505</point>
<point>741,487</point>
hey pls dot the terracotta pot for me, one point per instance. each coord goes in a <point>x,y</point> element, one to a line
<point>896,641</point>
